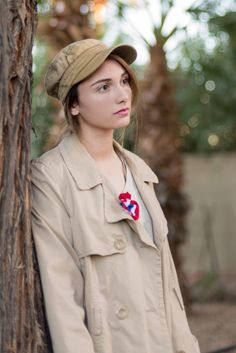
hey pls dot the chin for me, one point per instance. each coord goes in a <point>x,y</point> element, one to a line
<point>124,122</point>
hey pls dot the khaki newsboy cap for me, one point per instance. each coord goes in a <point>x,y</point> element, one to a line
<point>77,61</point>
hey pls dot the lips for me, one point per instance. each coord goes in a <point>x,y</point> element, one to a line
<point>124,110</point>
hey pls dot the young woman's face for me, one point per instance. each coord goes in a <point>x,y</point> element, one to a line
<point>105,98</point>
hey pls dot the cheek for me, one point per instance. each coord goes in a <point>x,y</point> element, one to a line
<point>129,92</point>
<point>93,102</point>
<point>87,105</point>
<point>96,110</point>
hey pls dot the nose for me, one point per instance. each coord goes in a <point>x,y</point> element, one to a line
<point>123,94</point>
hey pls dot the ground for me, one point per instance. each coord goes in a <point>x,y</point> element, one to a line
<point>214,322</point>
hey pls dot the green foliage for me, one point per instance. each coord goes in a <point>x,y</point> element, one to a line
<point>201,7</point>
<point>43,6</point>
<point>206,83</point>
<point>120,8</point>
<point>42,110</point>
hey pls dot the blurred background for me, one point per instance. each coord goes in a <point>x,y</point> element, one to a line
<point>186,123</point>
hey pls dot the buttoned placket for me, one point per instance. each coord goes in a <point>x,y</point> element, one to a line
<point>155,254</point>
<point>157,260</point>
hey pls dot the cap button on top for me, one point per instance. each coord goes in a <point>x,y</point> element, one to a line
<point>119,243</point>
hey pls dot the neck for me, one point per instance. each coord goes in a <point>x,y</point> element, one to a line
<point>99,145</point>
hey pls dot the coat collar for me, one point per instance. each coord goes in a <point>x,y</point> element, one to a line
<point>84,170</point>
<point>79,162</point>
<point>86,174</point>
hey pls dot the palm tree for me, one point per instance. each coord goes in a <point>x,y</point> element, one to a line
<point>160,145</point>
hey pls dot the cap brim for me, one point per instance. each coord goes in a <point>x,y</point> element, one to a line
<point>126,52</point>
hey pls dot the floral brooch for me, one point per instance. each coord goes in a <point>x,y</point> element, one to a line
<point>131,206</point>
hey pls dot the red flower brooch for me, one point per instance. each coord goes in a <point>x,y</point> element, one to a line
<point>131,206</point>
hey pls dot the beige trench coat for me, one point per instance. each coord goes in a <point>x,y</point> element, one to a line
<point>107,287</point>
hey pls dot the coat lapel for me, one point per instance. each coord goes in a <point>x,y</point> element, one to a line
<point>112,208</point>
<point>160,229</point>
<point>114,212</point>
<point>143,177</point>
<point>79,163</point>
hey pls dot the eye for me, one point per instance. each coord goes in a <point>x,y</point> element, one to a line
<point>126,80</point>
<point>103,88</point>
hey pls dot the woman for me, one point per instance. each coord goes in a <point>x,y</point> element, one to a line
<point>108,278</point>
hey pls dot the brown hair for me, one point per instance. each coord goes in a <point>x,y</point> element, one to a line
<point>73,94</point>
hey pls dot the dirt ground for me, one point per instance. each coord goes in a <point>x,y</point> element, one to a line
<point>214,322</point>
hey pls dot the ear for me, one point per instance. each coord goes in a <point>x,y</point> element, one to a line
<point>74,109</point>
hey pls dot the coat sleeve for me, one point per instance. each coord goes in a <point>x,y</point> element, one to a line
<point>62,280</point>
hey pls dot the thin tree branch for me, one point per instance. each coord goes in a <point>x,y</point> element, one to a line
<point>164,14</point>
<point>165,38</point>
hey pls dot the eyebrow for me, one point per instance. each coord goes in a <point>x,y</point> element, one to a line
<point>108,79</point>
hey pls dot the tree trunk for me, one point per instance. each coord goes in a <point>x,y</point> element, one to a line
<point>159,145</point>
<point>19,307</point>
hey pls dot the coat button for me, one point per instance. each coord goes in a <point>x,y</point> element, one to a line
<point>122,313</point>
<point>119,243</point>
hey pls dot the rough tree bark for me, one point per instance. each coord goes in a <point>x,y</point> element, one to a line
<point>20,310</point>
